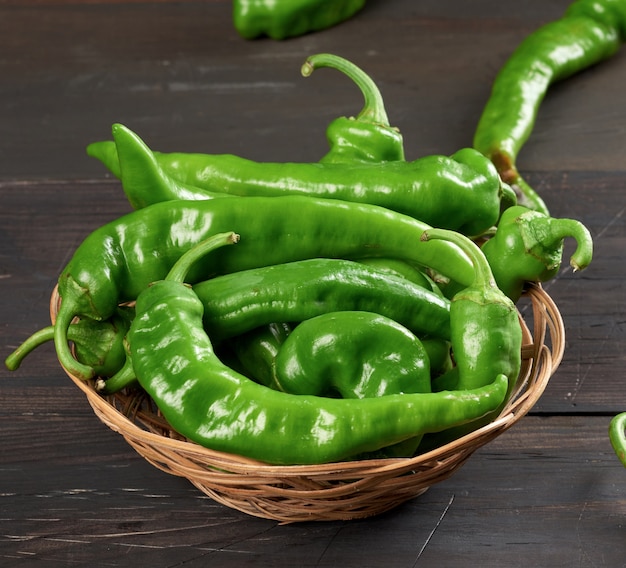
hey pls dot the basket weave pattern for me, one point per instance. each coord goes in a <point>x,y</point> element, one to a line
<point>335,491</point>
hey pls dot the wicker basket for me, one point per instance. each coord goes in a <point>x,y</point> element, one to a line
<point>334,491</point>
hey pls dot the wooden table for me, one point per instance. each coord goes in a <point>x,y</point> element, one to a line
<point>548,492</point>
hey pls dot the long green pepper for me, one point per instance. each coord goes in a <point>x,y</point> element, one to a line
<point>461,192</point>
<point>211,404</point>
<point>486,335</point>
<point>292,292</point>
<point>295,291</point>
<point>589,32</point>
<point>118,260</point>
<point>368,137</point>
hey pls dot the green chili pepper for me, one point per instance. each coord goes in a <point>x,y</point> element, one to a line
<point>295,291</point>
<point>211,404</point>
<point>588,33</point>
<point>485,332</point>
<point>528,247</point>
<point>368,137</point>
<point>486,337</point>
<point>97,344</point>
<point>403,269</point>
<point>116,261</point>
<point>351,354</point>
<point>255,351</point>
<point>282,19</point>
<point>617,436</point>
<point>462,192</point>
<point>354,355</point>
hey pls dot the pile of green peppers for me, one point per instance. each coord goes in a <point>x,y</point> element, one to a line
<point>301,313</point>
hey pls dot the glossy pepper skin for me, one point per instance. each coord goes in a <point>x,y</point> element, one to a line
<point>351,354</point>
<point>589,32</point>
<point>292,292</point>
<point>368,137</point>
<point>254,352</point>
<point>211,404</point>
<point>461,192</point>
<point>142,180</point>
<point>617,436</point>
<point>282,19</point>
<point>354,355</point>
<point>528,247</point>
<point>115,262</point>
<point>486,335</point>
<point>296,291</point>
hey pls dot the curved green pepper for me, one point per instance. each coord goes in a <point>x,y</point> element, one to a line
<point>354,355</point>
<point>528,247</point>
<point>282,19</point>
<point>462,192</point>
<point>486,337</point>
<point>351,354</point>
<point>485,332</point>
<point>97,344</point>
<point>617,436</point>
<point>295,291</point>
<point>238,303</point>
<point>115,262</point>
<point>255,351</point>
<point>209,403</point>
<point>368,137</point>
<point>588,33</point>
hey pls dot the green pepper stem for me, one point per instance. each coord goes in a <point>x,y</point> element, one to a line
<point>554,230</point>
<point>14,360</point>
<point>483,276</point>
<point>374,109</point>
<point>617,436</point>
<point>181,267</point>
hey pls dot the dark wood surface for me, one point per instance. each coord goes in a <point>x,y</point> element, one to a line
<point>549,492</point>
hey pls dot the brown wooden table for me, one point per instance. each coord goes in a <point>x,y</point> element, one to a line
<point>548,492</point>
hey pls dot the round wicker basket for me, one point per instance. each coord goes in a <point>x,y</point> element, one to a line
<point>333,491</point>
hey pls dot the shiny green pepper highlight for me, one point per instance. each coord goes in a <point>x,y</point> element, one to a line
<point>461,192</point>
<point>213,405</point>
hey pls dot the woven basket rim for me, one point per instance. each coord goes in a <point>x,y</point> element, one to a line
<point>209,469</point>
